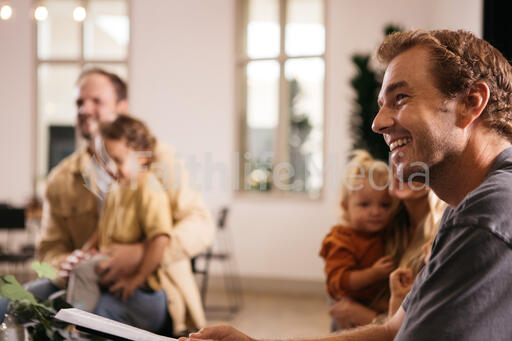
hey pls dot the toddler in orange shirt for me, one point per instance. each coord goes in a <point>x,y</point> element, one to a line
<point>355,264</point>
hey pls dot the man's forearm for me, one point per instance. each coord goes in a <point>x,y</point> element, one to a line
<point>368,333</point>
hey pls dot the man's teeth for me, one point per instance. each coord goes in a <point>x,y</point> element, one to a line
<point>399,142</point>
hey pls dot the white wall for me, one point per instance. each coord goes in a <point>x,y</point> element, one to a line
<point>185,90</point>
<point>182,83</point>
<point>16,105</point>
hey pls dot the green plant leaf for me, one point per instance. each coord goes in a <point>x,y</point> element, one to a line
<point>44,270</point>
<point>12,290</point>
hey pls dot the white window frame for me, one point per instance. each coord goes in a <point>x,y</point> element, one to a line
<point>82,61</point>
<point>281,150</point>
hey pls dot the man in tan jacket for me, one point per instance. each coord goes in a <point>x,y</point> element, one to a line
<point>73,204</point>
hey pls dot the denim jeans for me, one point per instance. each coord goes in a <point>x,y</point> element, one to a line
<point>145,310</point>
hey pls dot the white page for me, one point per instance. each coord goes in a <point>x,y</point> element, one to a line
<point>84,319</point>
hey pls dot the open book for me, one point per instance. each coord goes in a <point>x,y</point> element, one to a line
<point>104,326</point>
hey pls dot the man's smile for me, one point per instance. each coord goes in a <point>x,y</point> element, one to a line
<point>399,142</point>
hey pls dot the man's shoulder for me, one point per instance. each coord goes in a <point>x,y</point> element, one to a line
<point>66,189</point>
<point>489,205</point>
<point>66,168</point>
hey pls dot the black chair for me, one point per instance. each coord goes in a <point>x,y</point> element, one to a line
<point>11,217</point>
<point>201,267</point>
<point>12,222</point>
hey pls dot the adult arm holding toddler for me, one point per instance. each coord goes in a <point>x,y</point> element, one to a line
<point>151,259</point>
<point>154,252</point>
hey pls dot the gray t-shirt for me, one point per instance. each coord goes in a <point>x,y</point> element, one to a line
<point>465,291</point>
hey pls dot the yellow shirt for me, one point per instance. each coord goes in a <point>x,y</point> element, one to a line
<point>133,214</point>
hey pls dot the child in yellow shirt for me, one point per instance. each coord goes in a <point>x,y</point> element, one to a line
<point>136,209</point>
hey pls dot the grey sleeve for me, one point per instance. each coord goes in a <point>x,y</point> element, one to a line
<point>463,293</point>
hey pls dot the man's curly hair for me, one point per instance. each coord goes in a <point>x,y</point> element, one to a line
<point>458,60</point>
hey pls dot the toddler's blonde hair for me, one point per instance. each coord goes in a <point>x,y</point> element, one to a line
<point>363,166</point>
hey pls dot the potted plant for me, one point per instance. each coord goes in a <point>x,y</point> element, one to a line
<point>25,311</point>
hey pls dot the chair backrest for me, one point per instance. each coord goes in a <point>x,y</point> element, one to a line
<point>222,217</point>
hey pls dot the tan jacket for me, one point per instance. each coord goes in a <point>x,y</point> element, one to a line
<point>70,215</point>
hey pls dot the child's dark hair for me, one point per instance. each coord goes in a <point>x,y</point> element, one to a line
<point>135,132</point>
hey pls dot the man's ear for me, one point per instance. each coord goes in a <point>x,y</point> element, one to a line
<point>474,103</point>
<point>122,106</point>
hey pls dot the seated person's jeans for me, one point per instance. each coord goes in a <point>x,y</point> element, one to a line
<point>145,310</point>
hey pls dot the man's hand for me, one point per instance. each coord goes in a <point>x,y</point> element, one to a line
<point>218,333</point>
<point>124,287</point>
<point>123,260</point>
<point>383,267</point>
<point>400,283</point>
<point>67,265</point>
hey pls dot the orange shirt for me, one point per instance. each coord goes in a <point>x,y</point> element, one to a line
<point>346,250</point>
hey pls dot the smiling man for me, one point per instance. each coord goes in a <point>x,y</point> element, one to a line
<point>446,103</point>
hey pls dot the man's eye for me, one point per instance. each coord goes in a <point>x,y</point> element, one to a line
<point>400,98</point>
<point>363,204</point>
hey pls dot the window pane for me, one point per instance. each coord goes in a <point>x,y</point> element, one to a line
<point>305,79</point>
<point>58,36</point>
<point>305,31</point>
<point>262,117</point>
<point>263,30</point>
<point>106,30</point>
<point>56,84</point>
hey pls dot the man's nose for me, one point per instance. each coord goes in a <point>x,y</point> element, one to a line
<point>382,121</point>
<point>85,108</point>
